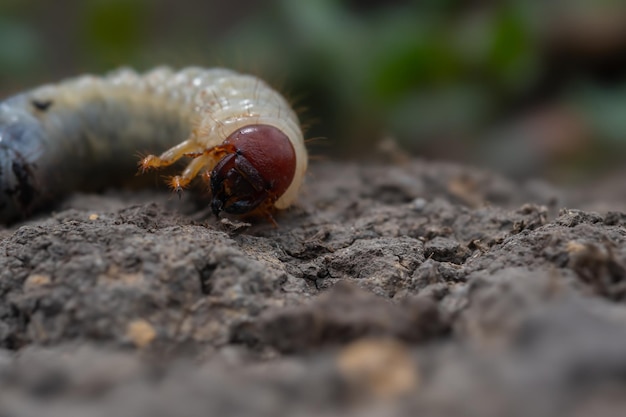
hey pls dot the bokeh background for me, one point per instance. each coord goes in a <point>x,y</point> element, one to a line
<point>528,87</point>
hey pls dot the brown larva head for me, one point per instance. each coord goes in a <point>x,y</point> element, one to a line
<point>259,170</point>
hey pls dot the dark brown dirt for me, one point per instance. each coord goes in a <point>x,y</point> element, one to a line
<point>422,289</point>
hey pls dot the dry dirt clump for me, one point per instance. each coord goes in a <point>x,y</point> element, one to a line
<point>421,289</point>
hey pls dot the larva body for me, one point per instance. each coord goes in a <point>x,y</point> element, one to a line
<point>85,133</point>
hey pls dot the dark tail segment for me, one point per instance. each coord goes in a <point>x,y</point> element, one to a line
<point>48,151</point>
<point>21,142</point>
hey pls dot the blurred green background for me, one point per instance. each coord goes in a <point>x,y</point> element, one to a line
<point>528,87</point>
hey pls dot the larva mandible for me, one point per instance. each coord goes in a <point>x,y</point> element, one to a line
<point>84,134</point>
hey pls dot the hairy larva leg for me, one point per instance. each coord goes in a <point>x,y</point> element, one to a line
<point>204,161</point>
<point>167,158</point>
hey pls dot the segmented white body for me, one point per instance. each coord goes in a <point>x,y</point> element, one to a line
<point>79,120</point>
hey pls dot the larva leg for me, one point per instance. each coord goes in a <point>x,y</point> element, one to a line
<point>202,162</point>
<point>170,156</point>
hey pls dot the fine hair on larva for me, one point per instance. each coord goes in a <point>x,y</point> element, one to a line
<point>85,133</point>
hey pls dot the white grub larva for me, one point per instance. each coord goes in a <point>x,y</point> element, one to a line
<point>240,135</point>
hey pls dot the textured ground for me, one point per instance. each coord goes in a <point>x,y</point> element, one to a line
<point>419,289</point>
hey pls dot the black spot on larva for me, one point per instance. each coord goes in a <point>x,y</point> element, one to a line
<point>3,203</point>
<point>41,105</point>
<point>24,189</point>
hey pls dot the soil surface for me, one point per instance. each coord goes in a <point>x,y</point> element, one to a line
<point>415,289</point>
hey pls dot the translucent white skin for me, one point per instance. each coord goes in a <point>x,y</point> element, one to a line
<point>88,128</point>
